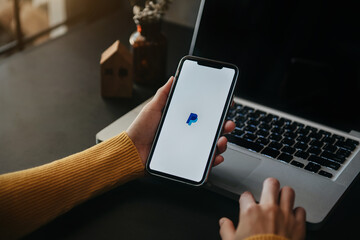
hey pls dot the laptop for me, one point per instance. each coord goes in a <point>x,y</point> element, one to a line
<point>295,101</point>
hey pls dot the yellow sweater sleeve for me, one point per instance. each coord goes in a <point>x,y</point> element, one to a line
<point>266,237</point>
<point>33,197</point>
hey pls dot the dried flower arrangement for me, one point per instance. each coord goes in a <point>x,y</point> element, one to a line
<point>149,11</point>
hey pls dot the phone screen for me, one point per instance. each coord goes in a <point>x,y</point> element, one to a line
<point>192,120</point>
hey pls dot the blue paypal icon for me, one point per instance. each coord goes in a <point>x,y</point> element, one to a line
<point>192,118</point>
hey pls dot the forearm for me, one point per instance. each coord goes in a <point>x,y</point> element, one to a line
<point>33,197</point>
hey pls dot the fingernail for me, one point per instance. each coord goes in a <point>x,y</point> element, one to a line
<point>221,221</point>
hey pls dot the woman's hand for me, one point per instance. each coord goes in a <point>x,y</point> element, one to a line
<point>143,129</point>
<point>274,214</point>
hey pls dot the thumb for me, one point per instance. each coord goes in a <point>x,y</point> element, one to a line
<point>159,100</point>
<point>227,229</point>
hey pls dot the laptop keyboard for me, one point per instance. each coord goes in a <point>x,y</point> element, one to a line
<point>321,151</point>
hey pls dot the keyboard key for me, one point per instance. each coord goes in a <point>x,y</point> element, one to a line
<point>286,121</point>
<point>263,141</point>
<point>340,138</point>
<point>290,127</point>
<point>312,129</point>
<point>265,126</point>
<point>300,145</point>
<point>331,164</point>
<point>275,145</point>
<point>303,139</point>
<point>249,109</point>
<point>245,143</point>
<point>275,117</point>
<point>253,123</point>
<point>269,118</point>
<point>345,145</point>
<point>262,133</point>
<point>250,129</point>
<point>297,164</point>
<point>302,132</point>
<point>314,150</point>
<point>329,140</point>
<point>240,124</point>
<point>266,119</point>
<point>343,152</point>
<point>315,135</point>
<point>290,134</point>
<point>285,157</point>
<point>288,150</point>
<point>270,152</point>
<point>238,105</point>
<point>242,112</point>
<point>330,148</point>
<point>325,174</point>
<point>316,143</point>
<point>238,132</point>
<point>334,157</point>
<point>325,133</point>
<point>352,141</point>
<point>275,137</point>
<point>278,130</point>
<point>261,113</point>
<point>324,162</point>
<point>240,119</point>
<point>249,136</point>
<point>316,159</point>
<point>288,141</point>
<point>253,115</point>
<point>299,125</point>
<point>279,123</point>
<point>302,154</point>
<point>312,167</point>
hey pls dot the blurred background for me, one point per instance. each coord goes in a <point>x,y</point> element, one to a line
<point>25,23</point>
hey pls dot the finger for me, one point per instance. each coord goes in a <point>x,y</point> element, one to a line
<point>227,229</point>
<point>270,191</point>
<point>159,100</point>
<point>221,145</point>
<point>218,159</point>
<point>287,198</point>
<point>229,126</point>
<point>246,200</point>
<point>300,216</point>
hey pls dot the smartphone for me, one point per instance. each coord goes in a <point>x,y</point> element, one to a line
<point>185,142</point>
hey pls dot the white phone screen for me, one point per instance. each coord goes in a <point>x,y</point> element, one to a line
<point>187,135</point>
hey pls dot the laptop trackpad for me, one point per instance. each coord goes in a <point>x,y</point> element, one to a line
<point>236,166</point>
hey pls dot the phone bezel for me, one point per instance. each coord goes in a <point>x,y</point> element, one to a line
<point>206,62</point>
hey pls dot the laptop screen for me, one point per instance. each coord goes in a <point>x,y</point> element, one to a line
<point>300,57</point>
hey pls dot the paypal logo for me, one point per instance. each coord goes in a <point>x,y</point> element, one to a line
<point>192,118</point>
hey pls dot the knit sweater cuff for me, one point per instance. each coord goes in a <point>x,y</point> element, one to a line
<point>266,237</point>
<point>33,197</point>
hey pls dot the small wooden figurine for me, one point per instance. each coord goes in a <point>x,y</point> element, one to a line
<point>116,71</point>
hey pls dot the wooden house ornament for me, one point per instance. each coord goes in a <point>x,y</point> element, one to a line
<point>116,71</point>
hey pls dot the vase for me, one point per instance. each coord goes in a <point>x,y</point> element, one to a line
<point>149,48</point>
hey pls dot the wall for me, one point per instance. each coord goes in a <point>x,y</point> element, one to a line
<point>183,12</point>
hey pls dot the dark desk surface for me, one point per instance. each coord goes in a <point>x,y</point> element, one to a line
<point>50,107</point>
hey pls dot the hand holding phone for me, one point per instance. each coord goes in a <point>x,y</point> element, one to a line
<point>192,120</point>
